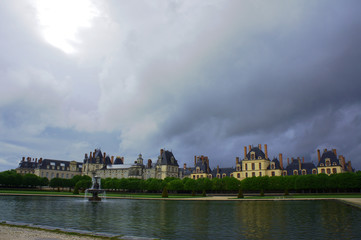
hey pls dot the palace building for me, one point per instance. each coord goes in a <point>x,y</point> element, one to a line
<point>255,163</point>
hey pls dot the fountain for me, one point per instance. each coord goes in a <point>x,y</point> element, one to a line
<point>95,189</point>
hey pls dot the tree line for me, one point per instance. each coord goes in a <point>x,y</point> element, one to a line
<point>299,183</point>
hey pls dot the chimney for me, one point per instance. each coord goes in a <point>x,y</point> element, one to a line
<point>122,160</point>
<point>260,146</point>
<point>342,162</point>
<point>303,159</point>
<point>349,168</point>
<point>281,160</point>
<point>249,147</point>
<point>318,155</point>
<point>217,168</point>
<point>334,152</point>
<point>104,154</point>
<point>325,150</point>
<point>299,163</point>
<point>209,170</point>
<point>288,161</point>
<point>161,151</point>
<point>291,160</point>
<point>149,163</point>
<point>237,160</point>
<point>202,159</point>
<point>29,159</point>
<point>265,151</point>
<point>86,156</point>
<point>90,156</point>
<point>23,159</point>
<point>245,151</point>
<point>112,159</point>
<point>36,160</point>
<point>40,160</point>
<point>185,166</point>
<point>195,161</point>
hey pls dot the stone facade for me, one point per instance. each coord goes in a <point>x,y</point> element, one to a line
<point>255,163</point>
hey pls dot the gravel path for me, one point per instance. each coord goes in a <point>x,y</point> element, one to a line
<point>18,233</point>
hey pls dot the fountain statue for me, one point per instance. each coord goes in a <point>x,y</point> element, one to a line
<point>95,189</point>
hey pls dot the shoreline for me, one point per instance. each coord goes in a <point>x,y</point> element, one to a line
<point>353,201</point>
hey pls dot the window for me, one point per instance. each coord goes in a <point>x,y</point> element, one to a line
<point>223,175</point>
<point>260,174</point>
<point>328,163</point>
<point>323,171</point>
<point>273,174</point>
<point>303,172</point>
<point>334,170</point>
<point>218,176</point>
<point>210,176</point>
<point>314,171</point>
<point>259,165</point>
<point>194,176</point>
<point>238,175</point>
<point>252,156</point>
<point>321,164</point>
<point>246,174</point>
<point>285,173</point>
<point>231,174</point>
<point>295,172</point>
<point>253,174</point>
<point>238,168</point>
<point>328,171</point>
<point>253,166</point>
<point>272,166</point>
<point>245,166</point>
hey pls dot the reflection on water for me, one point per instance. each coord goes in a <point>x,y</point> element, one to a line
<point>190,219</point>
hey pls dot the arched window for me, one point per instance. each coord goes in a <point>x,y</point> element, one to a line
<point>295,172</point>
<point>304,172</point>
<point>314,171</point>
<point>328,163</point>
<point>334,170</point>
<point>328,171</point>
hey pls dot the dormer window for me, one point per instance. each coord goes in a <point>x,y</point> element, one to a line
<point>328,163</point>
<point>259,157</point>
<point>321,164</point>
<point>253,156</point>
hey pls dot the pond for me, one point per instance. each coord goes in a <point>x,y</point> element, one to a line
<point>189,219</point>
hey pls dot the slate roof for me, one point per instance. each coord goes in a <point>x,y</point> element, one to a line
<point>331,156</point>
<point>294,165</point>
<point>167,158</point>
<point>258,153</point>
<point>202,166</point>
<point>118,160</point>
<point>62,164</point>
<point>227,171</point>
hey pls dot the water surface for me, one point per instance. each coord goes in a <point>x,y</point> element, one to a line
<point>190,219</point>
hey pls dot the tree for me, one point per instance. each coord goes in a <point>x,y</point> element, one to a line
<point>176,185</point>
<point>165,193</point>
<point>31,180</point>
<point>190,185</point>
<point>56,183</point>
<point>83,184</point>
<point>240,193</point>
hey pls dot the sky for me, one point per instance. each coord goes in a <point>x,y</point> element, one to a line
<point>193,77</point>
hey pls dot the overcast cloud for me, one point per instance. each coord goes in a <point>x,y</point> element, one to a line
<point>194,77</point>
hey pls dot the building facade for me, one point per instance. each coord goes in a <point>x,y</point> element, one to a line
<point>255,163</point>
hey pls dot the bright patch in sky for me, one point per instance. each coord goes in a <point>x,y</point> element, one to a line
<point>61,20</point>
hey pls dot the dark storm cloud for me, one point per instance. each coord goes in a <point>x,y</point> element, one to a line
<point>302,79</point>
<point>195,77</point>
